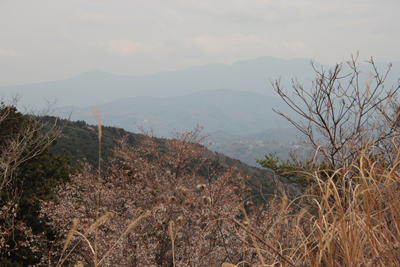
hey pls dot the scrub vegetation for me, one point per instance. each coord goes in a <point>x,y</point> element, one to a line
<point>161,202</point>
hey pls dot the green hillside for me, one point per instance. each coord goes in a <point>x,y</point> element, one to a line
<point>80,140</point>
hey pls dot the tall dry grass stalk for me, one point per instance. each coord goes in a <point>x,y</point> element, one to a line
<point>71,233</point>
<point>130,227</point>
<point>172,233</point>
<point>97,115</point>
<point>95,225</point>
<point>99,220</point>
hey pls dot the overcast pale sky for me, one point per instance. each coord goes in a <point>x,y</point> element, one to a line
<point>49,40</point>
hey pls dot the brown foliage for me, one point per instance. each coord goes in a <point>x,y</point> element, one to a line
<point>163,179</point>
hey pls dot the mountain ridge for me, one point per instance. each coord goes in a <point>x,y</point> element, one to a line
<point>97,86</point>
<point>238,112</point>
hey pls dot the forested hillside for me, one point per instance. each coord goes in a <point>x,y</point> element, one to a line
<point>80,140</point>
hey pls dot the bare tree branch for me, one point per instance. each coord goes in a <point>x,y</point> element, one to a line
<point>339,115</point>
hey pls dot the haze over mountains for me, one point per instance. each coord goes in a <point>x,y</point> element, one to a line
<point>235,99</point>
<point>216,110</point>
<point>99,87</point>
<point>96,86</point>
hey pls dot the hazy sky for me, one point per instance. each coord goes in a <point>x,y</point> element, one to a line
<point>48,40</point>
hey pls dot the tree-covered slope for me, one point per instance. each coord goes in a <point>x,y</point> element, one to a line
<point>80,140</point>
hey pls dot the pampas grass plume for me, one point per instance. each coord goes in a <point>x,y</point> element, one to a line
<point>201,186</point>
<point>206,200</point>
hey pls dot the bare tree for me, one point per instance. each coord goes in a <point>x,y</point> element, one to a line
<point>339,115</point>
<point>21,139</point>
<point>23,143</point>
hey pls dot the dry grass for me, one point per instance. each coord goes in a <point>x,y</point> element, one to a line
<point>356,225</point>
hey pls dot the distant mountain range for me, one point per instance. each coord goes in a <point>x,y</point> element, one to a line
<point>216,110</point>
<point>235,99</point>
<point>99,87</point>
<point>96,86</point>
<point>241,125</point>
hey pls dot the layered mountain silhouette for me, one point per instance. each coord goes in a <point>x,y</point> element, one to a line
<point>216,110</point>
<point>96,86</point>
<point>236,100</point>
